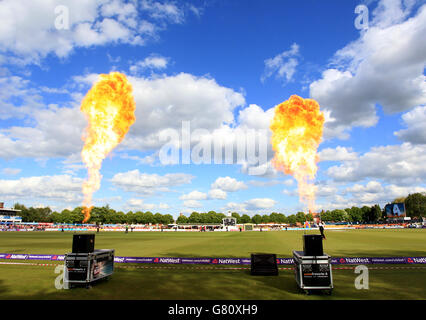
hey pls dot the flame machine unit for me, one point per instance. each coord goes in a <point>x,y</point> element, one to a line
<point>85,265</point>
<point>313,266</point>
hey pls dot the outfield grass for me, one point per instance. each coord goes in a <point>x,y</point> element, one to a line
<point>36,282</point>
<point>351,243</point>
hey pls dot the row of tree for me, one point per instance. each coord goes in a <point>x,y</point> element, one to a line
<point>415,205</point>
<point>99,215</point>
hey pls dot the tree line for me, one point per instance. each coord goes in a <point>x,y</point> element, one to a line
<point>415,205</point>
<point>99,215</point>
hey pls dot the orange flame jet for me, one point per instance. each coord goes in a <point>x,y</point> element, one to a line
<point>109,107</point>
<point>296,134</point>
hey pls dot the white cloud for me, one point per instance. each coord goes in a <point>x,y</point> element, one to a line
<point>325,190</point>
<point>337,154</point>
<point>147,184</point>
<point>192,204</point>
<point>251,206</point>
<point>370,187</point>
<point>415,121</point>
<point>139,204</point>
<point>228,184</point>
<point>282,65</point>
<point>164,206</point>
<point>62,188</point>
<point>134,204</point>
<point>28,31</point>
<point>384,66</point>
<point>401,164</point>
<point>194,195</point>
<point>167,11</point>
<point>153,61</point>
<point>367,194</point>
<point>217,194</point>
<point>236,207</point>
<point>181,95</point>
<point>322,190</point>
<point>260,203</point>
<point>17,97</point>
<point>149,159</point>
<point>273,182</point>
<point>254,117</point>
<point>56,131</point>
<point>11,171</point>
<point>197,195</point>
<point>57,134</point>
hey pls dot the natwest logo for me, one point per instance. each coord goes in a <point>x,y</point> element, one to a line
<point>19,256</point>
<point>285,261</point>
<point>169,260</point>
<point>419,260</point>
<point>229,261</point>
<point>357,260</point>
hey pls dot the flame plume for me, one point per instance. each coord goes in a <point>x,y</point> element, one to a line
<point>109,107</point>
<point>296,134</point>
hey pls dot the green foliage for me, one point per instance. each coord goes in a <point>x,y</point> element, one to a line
<point>355,214</point>
<point>300,217</point>
<point>365,213</point>
<point>257,219</point>
<point>245,218</point>
<point>33,214</point>
<point>182,219</point>
<point>265,219</point>
<point>291,219</point>
<point>375,213</point>
<point>415,205</point>
<point>339,215</point>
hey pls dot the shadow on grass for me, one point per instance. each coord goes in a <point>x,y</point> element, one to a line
<point>172,284</point>
<point>3,288</point>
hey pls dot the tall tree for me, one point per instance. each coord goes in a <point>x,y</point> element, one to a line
<point>195,217</point>
<point>415,205</point>
<point>355,214</point>
<point>245,218</point>
<point>291,219</point>
<point>376,213</point>
<point>182,219</point>
<point>257,219</point>
<point>365,213</point>
<point>300,217</point>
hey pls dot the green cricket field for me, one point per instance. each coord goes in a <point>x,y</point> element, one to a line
<point>188,282</point>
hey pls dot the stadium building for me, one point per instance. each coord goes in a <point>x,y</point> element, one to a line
<point>9,216</point>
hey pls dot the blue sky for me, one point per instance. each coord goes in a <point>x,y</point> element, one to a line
<point>223,66</point>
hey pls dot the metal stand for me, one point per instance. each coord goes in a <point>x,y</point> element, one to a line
<point>313,272</point>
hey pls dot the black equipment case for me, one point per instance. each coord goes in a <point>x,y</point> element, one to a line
<point>313,272</point>
<point>85,268</point>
